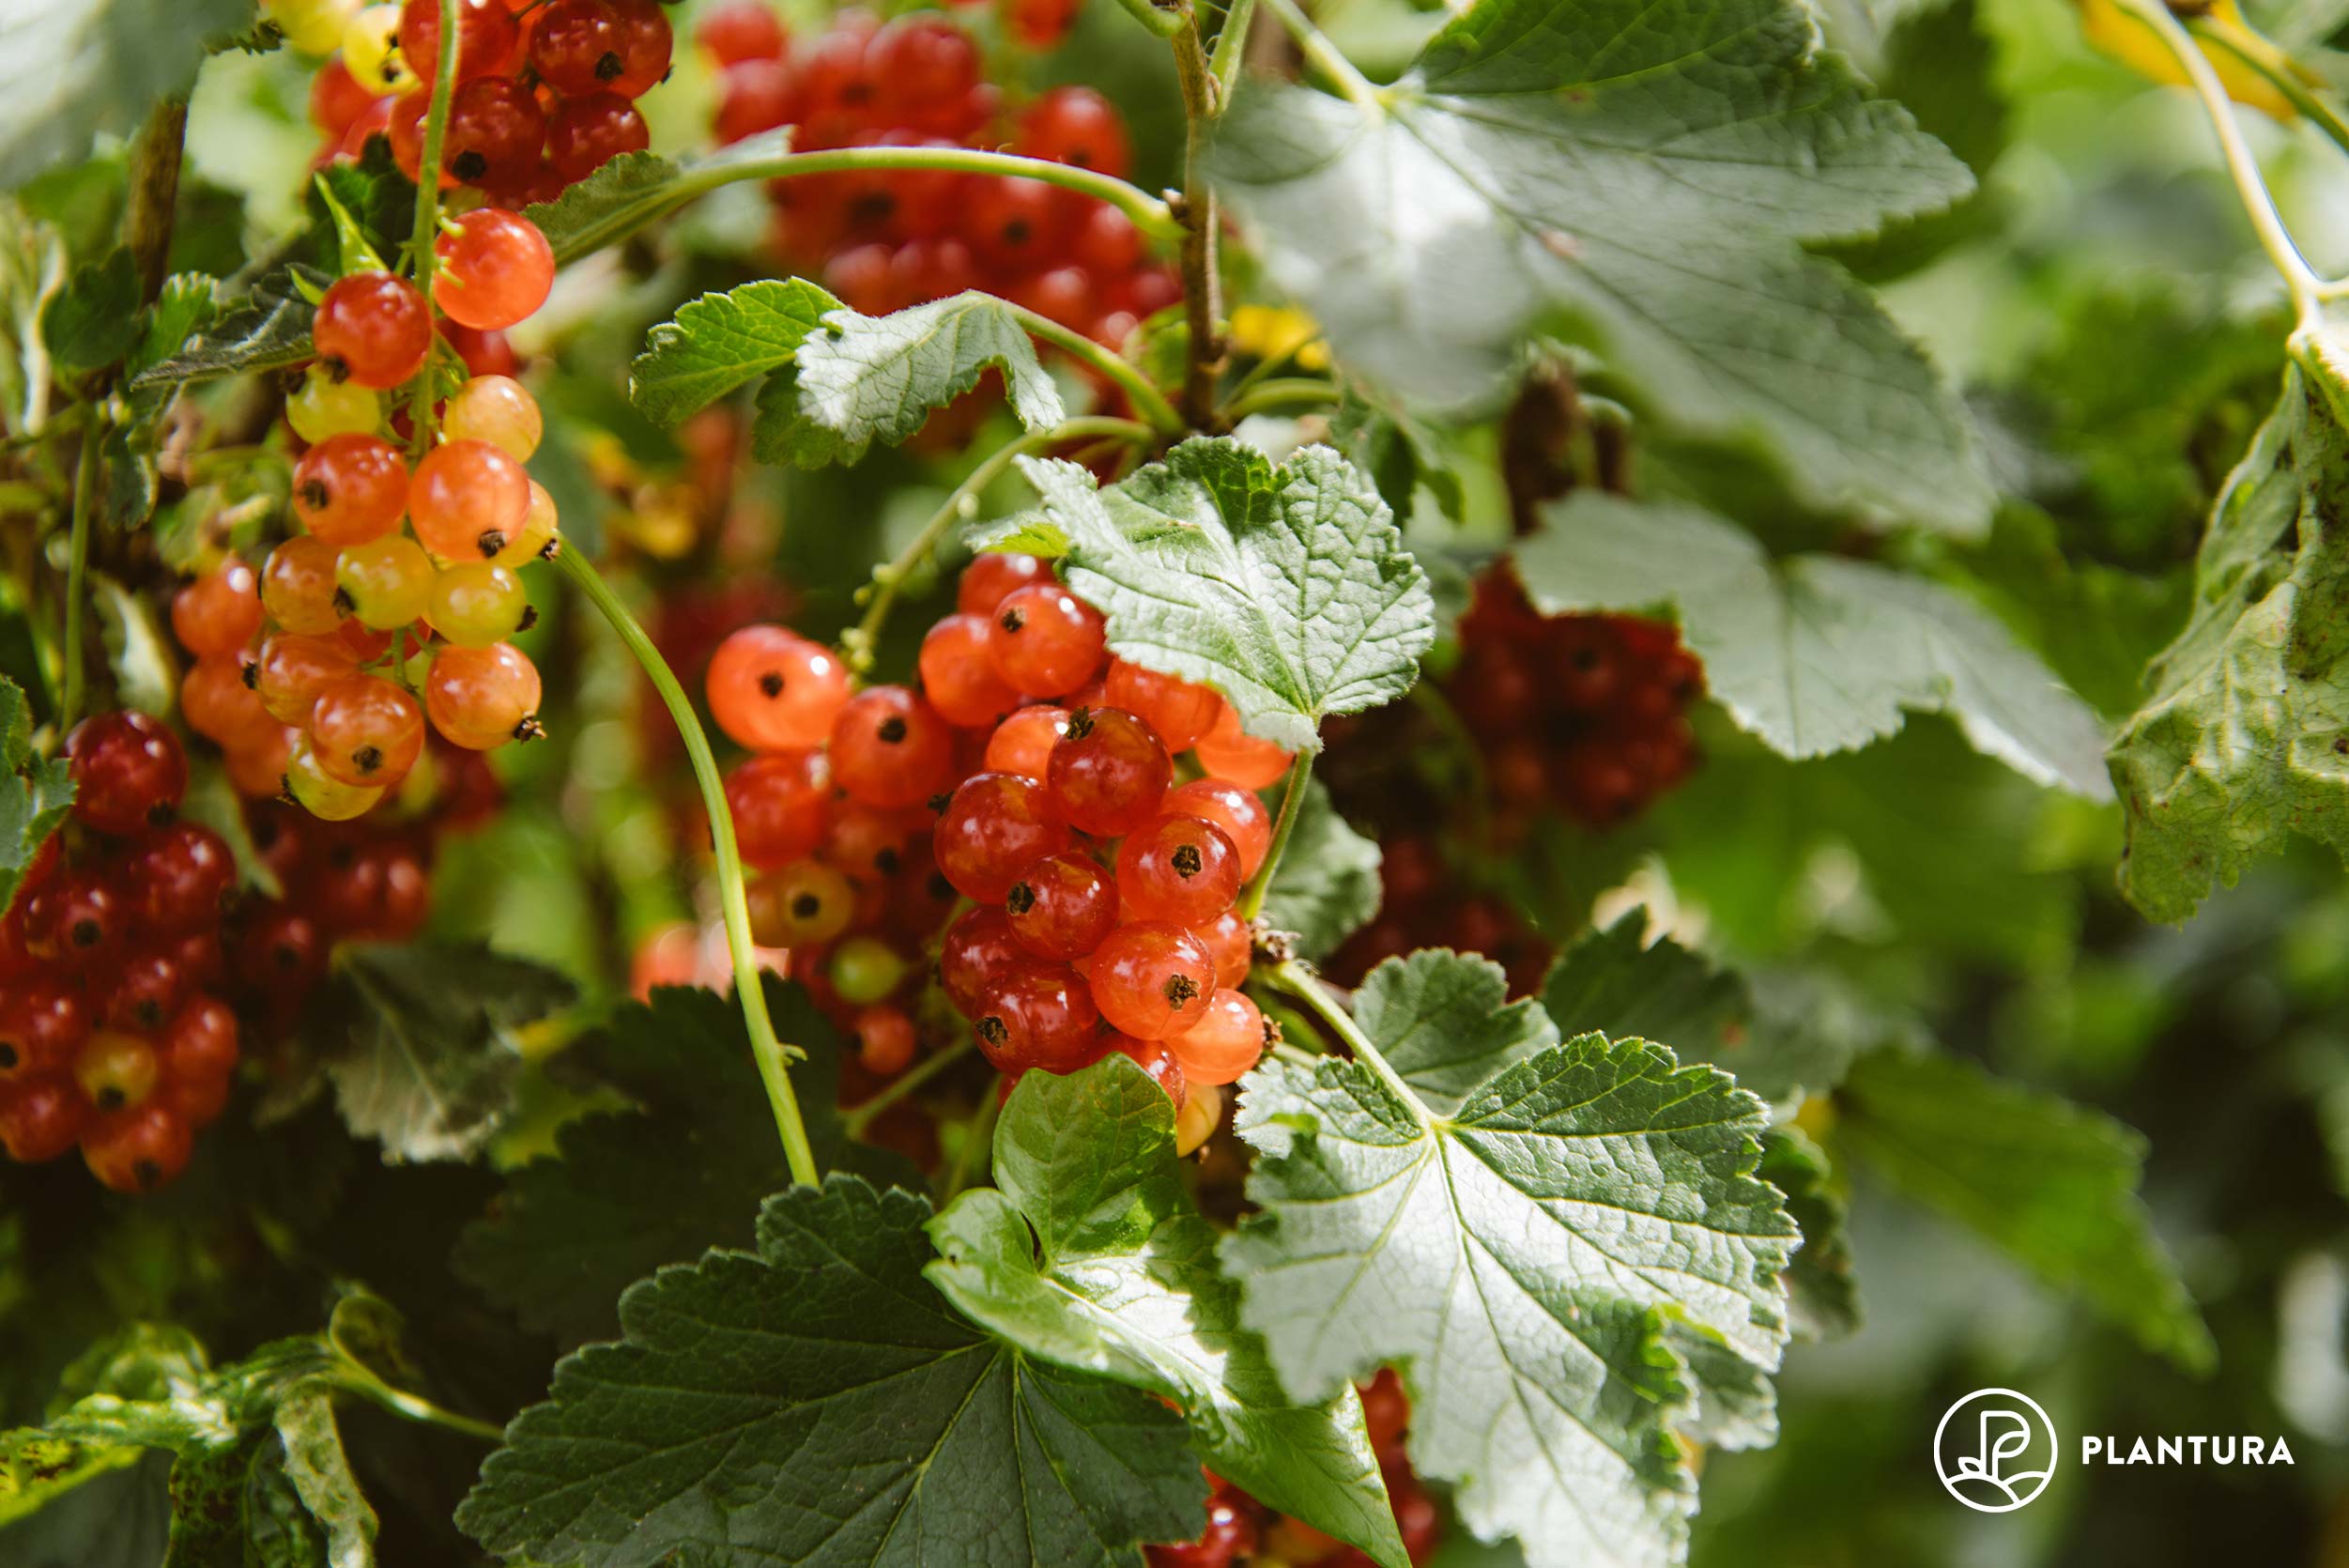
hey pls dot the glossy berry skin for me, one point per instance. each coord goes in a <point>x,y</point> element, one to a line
<point>481,698</point>
<point>41,1119</point>
<point>959,678</point>
<point>217,705</point>
<point>140,1149</point>
<point>890,748</point>
<point>1176,711</point>
<point>739,30</point>
<point>1236,811</point>
<point>293,670</point>
<point>1045,640</point>
<point>1231,945</point>
<point>576,47</point>
<point>219,612</point>
<point>1075,125</point>
<point>496,131</point>
<point>646,43</point>
<point>477,603</point>
<point>386,582</point>
<point>297,587</point>
<point>1038,1015</point>
<point>1152,1058</point>
<point>77,921</point>
<point>43,1023</point>
<point>1228,1039</point>
<point>348,489</point>
<point>487,34</point>
<point>1151,979</point>
<point>1230,1534</point>
<point>1227,751</point>
<point>280,951</point>
<point>1107,772</point>
<point>1024,743</point>
<point>1062,906</point>
<point>772,689</point>
<point>994,827</point>
<point>977,948</point>
<point>588,132</point>
<point>993,575</point>
<point>178,879</point>
<point>494,271</point>
<point>116,1070</point>
<point>308,785</point>
<point>146,989</point>
<point>497,409</point>
<point>885,1040</point>
<point>1179,868</point>
<point>805,905</point>
<point>366,732</point>
<point>201,1041</point>
<point>778,799</point>
<point>866,969</point>
<point>373,328</point>
<point>128,771</point>
<point>467,499</point>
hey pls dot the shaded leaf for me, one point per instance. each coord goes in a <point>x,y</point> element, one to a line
<point>75,68</point>
<point>721,341</point>
<point>1326,885</point>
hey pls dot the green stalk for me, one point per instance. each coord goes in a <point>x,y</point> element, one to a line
<point>78,570</point>
<point>1252,899</point>
<point>771,1055</point>
<point>1231,52</point>
<point>1325,57</point>
<point>1165,24</point>
<point>1301,982</point>
<point>1148,401</point>
<point>2261,54</point>
<point>1288,391</point>
<point>1203,283</point>
<point>977,1133</point>
<point>856,1118</point>
<point>356,1378</point>
<point>888,579</point>
<point>423,235</point>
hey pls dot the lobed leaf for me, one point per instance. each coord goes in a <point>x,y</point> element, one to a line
<point>632,190</point>
<point>36,794</point>
<point>721,341</point>
<point>1327,887</point>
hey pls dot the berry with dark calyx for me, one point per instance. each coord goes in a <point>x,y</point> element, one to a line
<point>43,1021</point>
<point>1179,868</point>
<point>467,499</point>
<point>41,1119</point>
<point>646,43</point>
<point>292,671</point>
<point>373,328</point>
<point>280,951</point>
<point>496,131</point>
<point>366,732</point>
<point>1024,742</point>
<point>1107,772</point>
<point>487,37</point>
<point>977,948</point>
<point>772,689</point>
<point>138,1151</point>
<point>885,1040</point>
<point>1038,1015</point>
<point>1239,812</point>
<point>576,47</point>
<point>482,698</point>
<point>498,410</point>
<point>77,921</point>
<point>586,133</point>
<point>1227,1041</point>
<point>1176,711</point>
<point>1045,640</point>
<point>805,905</point>
<point>1062,906</point>
<point>995,825</point>
<point>127,770</point>
<point>1227,751</point>
<point>1075,125</point>
<point>1152,979</point>
<point>959,678</point>
<point>385,584</point>
<point>779,800</point>
<point>308,785</point>
<point>476,602</point>
<point>219,612</point>
<point>116,1070</point>
<point>890,748</point>
<point>178,878</point>
<point>348,489</point>
<point>494,270</point>
<point>297,587</point>
<point>993,575</point>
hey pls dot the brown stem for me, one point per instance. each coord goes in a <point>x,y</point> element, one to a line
<point>1203,283</point>
<point>155,159</point>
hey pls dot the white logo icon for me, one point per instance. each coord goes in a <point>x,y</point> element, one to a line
<point>1995,1450</point>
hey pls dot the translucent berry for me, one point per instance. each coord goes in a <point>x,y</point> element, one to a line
<point>487,36</point>
<point>995,826</point>
<point>386,583</point>
<point>319,792</point>
<point>297,586</point>
<point>41,1119</point>
<point>293,670</point>
<point>476,602</point>
<point>977,948</point>
<point>219,612</point>
<point>1151,979</point>
<point>481,698</point>
<point>116,1070</point>
<point>1107,772</point>
<point>1236,811</point>
<point>1227,1041</point>
<point>1024,743</point>
<point>496,133</point>
<point>43,1023</point>
<point>779,800</point>
<point>1227,751</point>
<point>885,1040</point>
<point>1179,868</point>
<point>1176,711</point>
<point>141,1149</point>
<point>588,132</point>
<point>497,409</point>
<point>959,678</point>
<point>146,989</point>
<point>494,270</point>
<point>866,969</point>
<point>77,921</point>
<point>772,689</point>
<point>371,51</point>
<point>538,530</point>
<point>1062,906</point>
<point>178,878</point>
<point>646,43</point>
<point>1045,640</point>
<point>1038,1015</point>
<point>322,408</point>
<point>128,771</point>
<point>805,905</point>
<point>366,732</point>
<point>739,30</point>
<point>348,489</point>
<point>890,748</point>
<point>1231,945</point>
<point>992,576</point>
<point>1153,1057</point>
<point>218,705</point>
<point>373,328</point>
<point>467,500</point>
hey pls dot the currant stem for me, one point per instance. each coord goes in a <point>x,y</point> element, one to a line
<point>771,1055</point>
<point>1148,401</point>
<point>2259,52</point>
<point>424,235</point>
<point>887,582</point>
<point>1203,283</point>
<point>1317,48</point>
<point>1299,981</point>
<point>856,1118</point>
<point>78,571</point>
<point>1164,23</point>
<point>356,1378</point>
<point>155,160</point>
<point>978,1132</point>
<point>1231,52</point>
<point>1289,391</point>
<point>1252,899</point>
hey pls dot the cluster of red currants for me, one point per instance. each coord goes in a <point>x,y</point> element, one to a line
<point>1034,776</point>
<point>884,239</point>
<point>546,89</point>
<point>1583,713</point>
<point>308,674</point>
<point>1425,902</point>
<point>1240,1529</point>
<point>111,1034</point>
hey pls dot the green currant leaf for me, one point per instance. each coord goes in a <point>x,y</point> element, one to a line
<point>683,1172</point>
<point>76,67</point>
<point>1559,1259</point>
<point>34,795</point>
<point>1327,887</point>
<point>721,341</point>
<point>2244,739</point>
<point>269,329</point>
<point>1286,589</point>
<point>637,188</point>
<point>1093,1255</point>
<point>1613,981</point>
<point>94,320</point>
<point>861,378</point>
<point>426,1057</point>
<point>1815,653</point>
<point>2052,1183</point>
<point>1645,177</point>
<point>313,1460</point>
<point>37,1468</point>
<point>817,1402</point>
<point>1822,1298</point>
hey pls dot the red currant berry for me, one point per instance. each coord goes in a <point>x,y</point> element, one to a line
<point>373,328</point>
<point>216,703</point>
<point>495,134</point>
<point>293,670</point>
<point>336,99</point>
<point>977,949</point>
<point>280,952</point>
<point>920,62</point>
<point>128,771</point>
<point>487,36</point>
<point>77,921</point>
<point>1228,1039</point>
<point>779,800</point>
<point>1151,979</point>
<point>885,1040</point>
<point>1154,1058</point>
<point>1045,640</point>
<point>1062,906</point>
<point>588,132</point>
<point>495,271</point>
<point>995,826</point>
<point>646,43</point>
<point>1013,221</point>
<point>1227,751</point>
<point>366,732</point>
<point>869,845</point>
<point>139,1150</point>
<point>772,689</point>
<point>805,905</point>
<point>757,95</point>
<point>1179,868</point>
<point>1038,1015</point>
<point>1178,711</point>
<point>959,678</point>
<point>576,47</point>
<point>43,1023</point>
<point>202,1041</point>
<point>145,990</point>
<point>890,748</point>
<point>1107,772</point>
<point>484,353</point>
<point>1231,944</point>
<point>1039,24</point>
<point>1075,125</point>
<point>481,698</point>
<point>351,488</point>
<point>739,30</point>
<point>1106,242</point>
<point>116,1070</point>
<point>40,1118</point>
<point>993,575</point>
<point>467,500</point>
<point>178,879</point>
<point>219,612</point>
<point>1236,811</point>
<point>1230,1535</point>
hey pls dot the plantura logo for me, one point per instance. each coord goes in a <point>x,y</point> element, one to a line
<point>1995,1450</point>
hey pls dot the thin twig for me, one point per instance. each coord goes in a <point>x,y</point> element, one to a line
<point>1203,283</point>
<point>1251,898</point>
<point>1325,56</point>
<point>155,160</point>
<point>1231,52</point>
<point>424,236</point>
<point>78,570</point>
<point>1302,983</point>
<point>857,1117</point>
